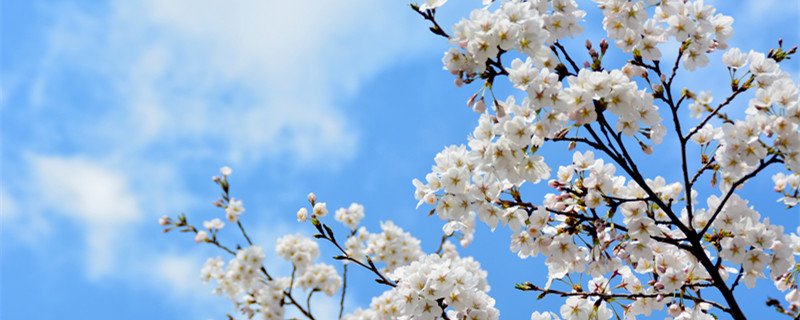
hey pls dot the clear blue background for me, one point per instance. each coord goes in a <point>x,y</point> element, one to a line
<point>114,113</point>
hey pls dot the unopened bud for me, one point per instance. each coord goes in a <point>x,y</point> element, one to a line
<point>164,221</point>
<point>637,55</point>
<point>689,94</point>
<point>586,64</point>
<point>674,310</point>
<point>647,149</point>
<point>588,44</point>
<point>571,146</point>
<point>480,106</point>
<point>312,198</point>
<point>471,100</point>
<point>501,112</point>
<point>603,46</point>
<point>459,82</point>
<point>657,87</point>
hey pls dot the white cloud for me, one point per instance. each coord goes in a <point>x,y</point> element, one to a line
<point>254,80</point>
<point>94,196</point>
<point>85,190</point>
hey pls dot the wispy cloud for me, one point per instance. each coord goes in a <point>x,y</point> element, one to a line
<point>97,198</point>
<point>128,95</point>
<point>257,80</point>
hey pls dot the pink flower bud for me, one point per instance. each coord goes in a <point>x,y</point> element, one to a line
<point>501,112</point>
<point>603,46</point>
<point>312,198</point>
<point>793,297</point>
<point>480,106</point>
<point>647,149</point>
<point>674,310</point>
<point>164,221</point>
<point>657,87</point>
<point>459,82</point>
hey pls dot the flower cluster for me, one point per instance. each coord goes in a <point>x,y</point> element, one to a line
<point>394,247</point>
<point>774,113</point>
<point>321,277</point>
<point>524,26</point>
<point>301,251</point>
<point>242,279</point>
<point>428,286</point>
<point>689,22</point>
<point>649,237</point>
<point>351,216</point>
<point>587,94</point>
<point>789,186</point>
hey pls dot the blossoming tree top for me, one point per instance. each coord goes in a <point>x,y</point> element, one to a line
<point>644,243</point>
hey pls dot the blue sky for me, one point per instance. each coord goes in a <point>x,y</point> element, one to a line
<point>114,113</point>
